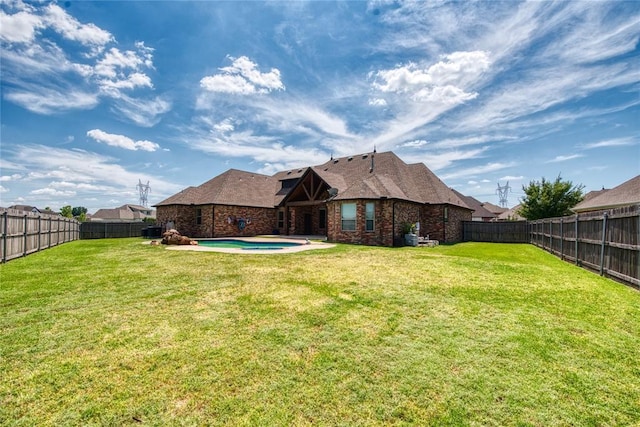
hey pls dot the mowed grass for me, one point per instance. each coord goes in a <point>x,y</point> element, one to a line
<point>114,332</point>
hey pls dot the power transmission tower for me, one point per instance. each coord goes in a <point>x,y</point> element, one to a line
<point>503,192</point>
<point>144,191</point>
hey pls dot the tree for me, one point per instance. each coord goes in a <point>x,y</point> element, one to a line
<point>78,210</point>
<point>66,211</point>
<point>548,199</point>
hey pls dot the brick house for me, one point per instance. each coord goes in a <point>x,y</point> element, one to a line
<point>364,199</point>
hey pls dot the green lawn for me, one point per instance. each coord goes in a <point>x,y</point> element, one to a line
<point>113,332</point>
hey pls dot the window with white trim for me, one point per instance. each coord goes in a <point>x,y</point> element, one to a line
<point>348,216</point>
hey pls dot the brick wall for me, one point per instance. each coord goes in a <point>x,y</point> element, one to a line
<point>383,233</point>
<point>433,223</point>
<point>263,221</point>
<point>388,214</point>
<point>214,220</point>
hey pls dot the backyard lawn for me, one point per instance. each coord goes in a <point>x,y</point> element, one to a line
<point>114,332</point>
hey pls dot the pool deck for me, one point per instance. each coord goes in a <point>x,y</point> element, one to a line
<point>270,239</point>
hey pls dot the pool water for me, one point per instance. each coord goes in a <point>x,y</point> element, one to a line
<point>243,244</point>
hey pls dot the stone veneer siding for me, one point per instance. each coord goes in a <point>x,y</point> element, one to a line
<point>215,220</point>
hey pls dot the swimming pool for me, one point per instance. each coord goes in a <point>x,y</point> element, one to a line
<point>247,245</point>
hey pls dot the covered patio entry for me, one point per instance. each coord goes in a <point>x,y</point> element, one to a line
<point>305,208</point>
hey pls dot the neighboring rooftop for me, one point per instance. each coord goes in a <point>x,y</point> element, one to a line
<point>512,214</point>
<point>479,211</point>
<point>494,208</point>
<point>124,213</point>
<point>625,194</point>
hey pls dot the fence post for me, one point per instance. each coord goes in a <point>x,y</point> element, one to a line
<point>551,235</point>
<point>25,224</point>
<point>604,239</point>
<point>39,230</point>
<point>5,214</point>
<point>577,263</point>
<point>561,240</point>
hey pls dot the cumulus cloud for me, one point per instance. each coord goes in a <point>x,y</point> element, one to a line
<point>444,81</point>
<point>121,141</point>
<point>20,27</point>
<point>243,78</point>
<point>86,34</point>
<point>3,189</point>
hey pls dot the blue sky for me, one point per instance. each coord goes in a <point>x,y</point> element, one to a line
<point>99,95</point>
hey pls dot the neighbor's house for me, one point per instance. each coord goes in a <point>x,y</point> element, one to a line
<point>625,194</point>
<point>480,213</point>
<point>125,213</point>
<point>364,199</point>
<point>33,209</point>
<point>512,214</point>
<point>493,208</point>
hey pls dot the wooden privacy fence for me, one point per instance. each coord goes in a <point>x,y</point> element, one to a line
<point>604,241</point>
<point>24,232</point>
<point>497,232</point>
<point>109,230</point>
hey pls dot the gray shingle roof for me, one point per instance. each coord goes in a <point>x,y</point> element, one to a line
<point>625,194</point>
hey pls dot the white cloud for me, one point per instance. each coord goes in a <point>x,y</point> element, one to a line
<point>224,126</point>
<point>121,141</point>
<point>615,142</point>
<point>20,27</point>
<point>3,189</point>
<point>14,177</point>
<point>378,102</point>
<point>46,79</point>
<point>415,143</point>
<point>444,81</point>
<point>558,159</point>
<point>511,178</point>
<point>143,112</point>
<point>83,168</point>
<point>71,29</point>
<point>52,192</point>
<point>244,78</point>
<point>477,170</point>
<point>50,100</point>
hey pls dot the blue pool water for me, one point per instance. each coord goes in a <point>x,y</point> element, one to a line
<point>243,244</point>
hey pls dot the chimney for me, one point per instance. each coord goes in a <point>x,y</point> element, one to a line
<point>372,160</point>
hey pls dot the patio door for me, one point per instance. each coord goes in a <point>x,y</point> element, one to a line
<point>308,226</point>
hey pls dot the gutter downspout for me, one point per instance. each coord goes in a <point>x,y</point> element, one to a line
<point>393,225</point>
